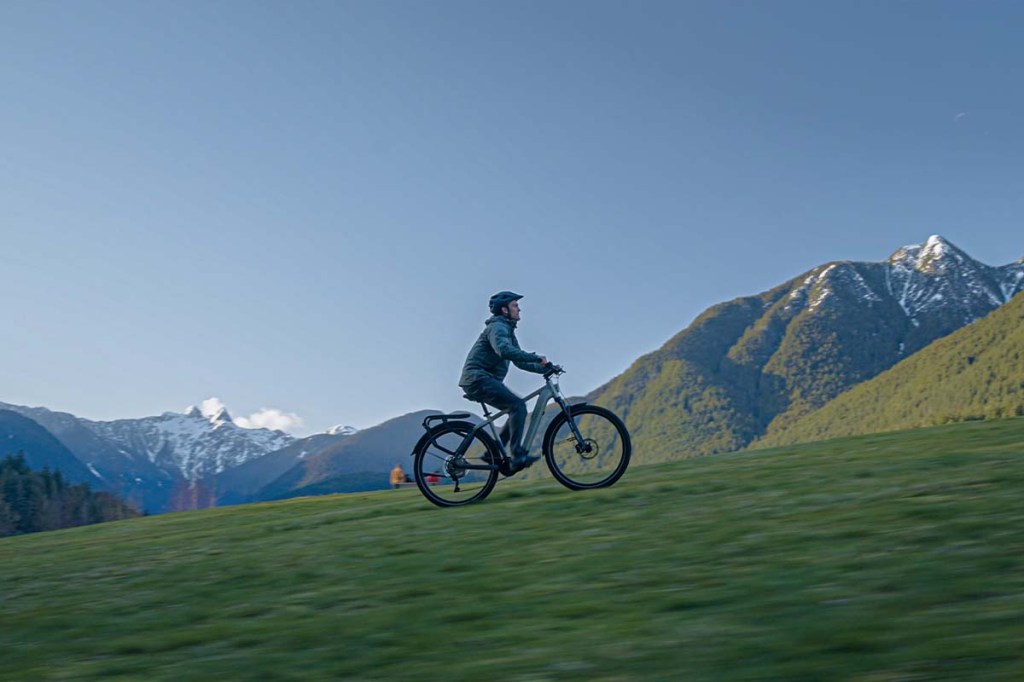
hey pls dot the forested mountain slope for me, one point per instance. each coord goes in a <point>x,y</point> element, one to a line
<point>974,373</point>
<point>752,366</point>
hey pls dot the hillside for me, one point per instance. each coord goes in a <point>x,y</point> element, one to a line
<point>896,556</point>
<point>974,373</point>
<point>36,501</point>
<point>353,462</point>
<point>41,449</point>
<point>242,484</point>
<point>755,365</point>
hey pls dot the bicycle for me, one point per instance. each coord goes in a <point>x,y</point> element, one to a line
<point>456,462</point>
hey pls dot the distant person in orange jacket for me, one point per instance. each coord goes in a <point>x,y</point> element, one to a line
<point>398,476</point>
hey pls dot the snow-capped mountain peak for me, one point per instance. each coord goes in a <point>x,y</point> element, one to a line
<point>341,430</point>
<point>221,417</point>
<point>190,443</point>
<point>938,275</point>
<point>935,284</point>
<point>935,256</point>
<point>938,254</point>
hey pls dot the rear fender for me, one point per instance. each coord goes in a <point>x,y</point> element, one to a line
<point>448,426</point>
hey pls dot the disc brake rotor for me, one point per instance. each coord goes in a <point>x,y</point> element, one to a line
<point>589,449</point>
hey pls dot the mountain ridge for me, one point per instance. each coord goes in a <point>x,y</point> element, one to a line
<point>368,453</point>
<point>748,366</point>
<point>41,449</point>
<point>164,462</point>
<point>742,370</point>
<point>974,373</point>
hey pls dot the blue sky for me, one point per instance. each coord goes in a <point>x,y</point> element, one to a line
<point>304,206</point>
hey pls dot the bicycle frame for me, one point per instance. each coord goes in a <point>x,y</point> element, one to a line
<point>544,394</point>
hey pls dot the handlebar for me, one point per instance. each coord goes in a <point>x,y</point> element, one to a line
<point>553,370</point>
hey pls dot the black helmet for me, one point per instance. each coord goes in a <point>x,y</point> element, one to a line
<point>500,299</point>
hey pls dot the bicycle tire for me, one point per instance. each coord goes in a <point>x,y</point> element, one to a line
<point>434,455</point>
<point>602,463</point>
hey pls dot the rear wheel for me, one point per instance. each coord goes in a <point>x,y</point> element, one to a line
<point>596,461</point>
<point>445,478</point>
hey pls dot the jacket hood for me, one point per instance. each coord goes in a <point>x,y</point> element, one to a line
<point>499,318</point>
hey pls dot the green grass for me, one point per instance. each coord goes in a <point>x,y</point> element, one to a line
<point>890,557</point>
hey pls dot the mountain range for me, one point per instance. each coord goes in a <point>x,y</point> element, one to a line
<point>752,370</point>
<point>161,463</point>
<point>747,368</point>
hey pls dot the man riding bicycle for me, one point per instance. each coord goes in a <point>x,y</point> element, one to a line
<point>487,365</point>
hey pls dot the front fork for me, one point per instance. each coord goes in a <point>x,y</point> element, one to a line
<point>581,446</point>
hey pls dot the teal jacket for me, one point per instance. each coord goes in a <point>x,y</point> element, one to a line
<point>496,347</point>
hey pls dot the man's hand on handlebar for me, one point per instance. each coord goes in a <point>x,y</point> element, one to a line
<point>551,368</point>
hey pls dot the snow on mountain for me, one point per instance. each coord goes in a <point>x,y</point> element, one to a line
<point>751,366</point>
<point>221,417</point>
<point>1011,279</point>
<point>936,274</point>
<point>825,280</point>
<point>190,443</point>
<point>151,453</point>
<point>924,280</point>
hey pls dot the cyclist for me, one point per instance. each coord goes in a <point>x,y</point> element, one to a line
<point>486,367</point>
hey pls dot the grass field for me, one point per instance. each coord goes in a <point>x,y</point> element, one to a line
<point>890,557</point>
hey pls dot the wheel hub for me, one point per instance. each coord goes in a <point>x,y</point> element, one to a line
<point>589,449</point>
<point>454,470</point>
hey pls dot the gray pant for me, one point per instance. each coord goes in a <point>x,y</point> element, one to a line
<point>496,394</point>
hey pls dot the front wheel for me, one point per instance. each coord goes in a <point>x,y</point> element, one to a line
<point>597,461</point>
<point>448,479</point>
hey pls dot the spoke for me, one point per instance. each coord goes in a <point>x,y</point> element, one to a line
<point>437,456</point>
<point>593,460</point>
<point>456,478</point>
<point>441,447</point>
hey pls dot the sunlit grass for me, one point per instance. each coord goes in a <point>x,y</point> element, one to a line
<point>890,557</point>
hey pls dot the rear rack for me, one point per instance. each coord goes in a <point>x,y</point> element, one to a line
<point>443,418</point>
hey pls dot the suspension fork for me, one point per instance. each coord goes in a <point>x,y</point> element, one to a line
<point>572,422</point>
